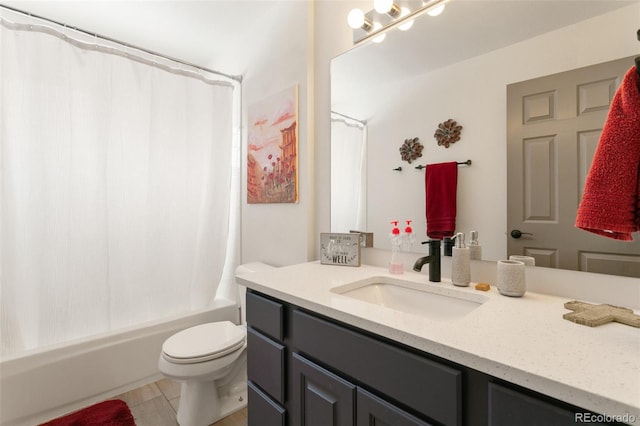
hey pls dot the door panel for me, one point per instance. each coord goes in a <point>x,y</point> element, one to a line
<point>320,398</point>
<point>540,179</point>
<point>553,127</point>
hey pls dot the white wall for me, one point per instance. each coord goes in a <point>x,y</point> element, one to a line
<point>284,234</point>
<point>479,105</point>
<point>280,234</point>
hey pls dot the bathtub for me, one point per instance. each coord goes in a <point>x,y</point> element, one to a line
<point>43,384</point>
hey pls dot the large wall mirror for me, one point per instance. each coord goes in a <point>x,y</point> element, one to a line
<point>458,66</point>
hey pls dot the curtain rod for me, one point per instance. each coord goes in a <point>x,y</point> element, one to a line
<point>237,78</point>
<point>363,122</point>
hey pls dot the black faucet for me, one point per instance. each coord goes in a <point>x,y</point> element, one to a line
<point>433,259</point>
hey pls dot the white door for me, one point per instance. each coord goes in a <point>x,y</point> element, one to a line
<point>553,127</point>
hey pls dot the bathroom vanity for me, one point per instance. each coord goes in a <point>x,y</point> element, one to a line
<point>322,350</point>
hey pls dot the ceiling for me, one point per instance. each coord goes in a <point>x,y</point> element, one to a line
<point>224,35</point>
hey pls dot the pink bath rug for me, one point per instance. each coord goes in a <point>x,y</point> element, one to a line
<point>108,413</point>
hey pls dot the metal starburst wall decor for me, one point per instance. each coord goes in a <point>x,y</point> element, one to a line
<point>411,149</point>
<point>447,133</point>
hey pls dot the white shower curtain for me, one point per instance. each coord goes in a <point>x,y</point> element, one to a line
<point>116,187</point>
<point>348,174</point>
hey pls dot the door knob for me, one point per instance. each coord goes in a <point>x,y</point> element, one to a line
<point>516,233</point>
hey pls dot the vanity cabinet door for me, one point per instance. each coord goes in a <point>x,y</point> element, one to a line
<point>508,407</point>
<point>320,398</point>
<point>262,410</point>
<point>374,411</point>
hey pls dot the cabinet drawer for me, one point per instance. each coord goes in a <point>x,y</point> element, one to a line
<point>262,411</point>
<point>508,407</point>
<point>265,315</point>
<point>426,386</point>
<point>265,364</point>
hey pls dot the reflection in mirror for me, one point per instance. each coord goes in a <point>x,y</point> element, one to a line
<point>458,66</point>
<point>348,173</point>
<point>554,126</point>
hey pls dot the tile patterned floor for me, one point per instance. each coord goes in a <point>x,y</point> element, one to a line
<point>156,404</point>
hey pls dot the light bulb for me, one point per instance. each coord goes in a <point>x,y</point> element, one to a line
<point>356,18</point>
<point>381,37</point>
<point>383,6</point>
<point>436,10</point>
<point>408,24</point>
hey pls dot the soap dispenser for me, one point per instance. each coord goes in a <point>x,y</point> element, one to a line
<point>460,264</point>
<point>475,249</point>
<point>409,238</point>
<point>395,265</point>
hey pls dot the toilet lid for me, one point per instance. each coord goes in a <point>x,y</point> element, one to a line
<point>204,342</point>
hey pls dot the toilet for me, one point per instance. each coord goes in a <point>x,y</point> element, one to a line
<point>207,358</point>
<point>210,361</point>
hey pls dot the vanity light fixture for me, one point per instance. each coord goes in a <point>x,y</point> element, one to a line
<point>389,14</point>
<point>357,20</point>
<point>386,6</point>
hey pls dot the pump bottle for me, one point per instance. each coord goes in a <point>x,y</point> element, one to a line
<point>460,264</point>
<point>409,238</point>
<point>395,265</point>
<point>475,249</point>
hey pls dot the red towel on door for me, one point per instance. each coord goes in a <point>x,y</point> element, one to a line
<point>610,205</point>
<point>441,185</point>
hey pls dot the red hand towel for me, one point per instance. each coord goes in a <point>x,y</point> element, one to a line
<point>610,205</point>
<point>441,182</point>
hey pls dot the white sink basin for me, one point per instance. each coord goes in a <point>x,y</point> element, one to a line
<point>434,301</point>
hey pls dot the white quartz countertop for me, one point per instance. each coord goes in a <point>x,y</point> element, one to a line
<point>521,340</point>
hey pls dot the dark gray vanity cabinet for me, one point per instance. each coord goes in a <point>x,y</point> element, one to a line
<point>308,370</point>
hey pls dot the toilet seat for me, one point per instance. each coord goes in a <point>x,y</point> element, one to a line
<point>204,342</point>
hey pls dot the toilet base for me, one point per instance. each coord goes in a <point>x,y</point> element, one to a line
<point>198,405</point>
<point>233,403</point>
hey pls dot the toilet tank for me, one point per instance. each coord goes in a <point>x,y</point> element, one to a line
<point>246,268</point>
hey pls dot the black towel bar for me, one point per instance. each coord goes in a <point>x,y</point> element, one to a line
<point>460,163</point>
